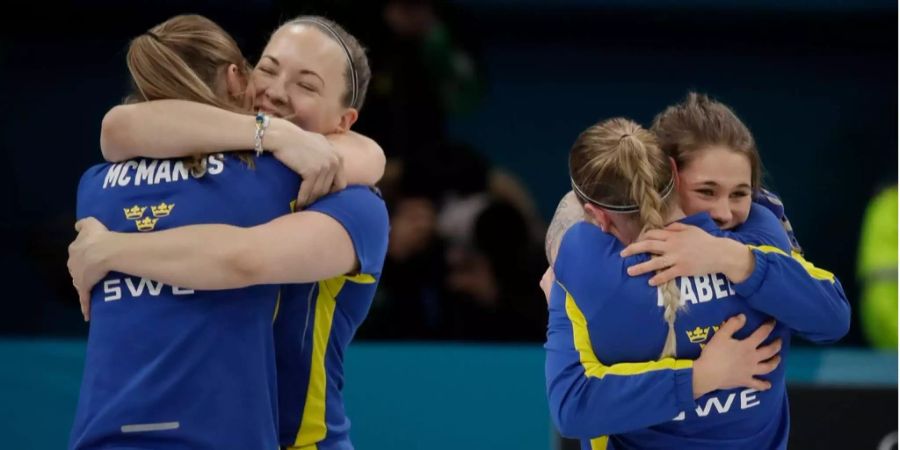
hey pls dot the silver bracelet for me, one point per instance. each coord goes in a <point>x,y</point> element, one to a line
<point>262,124</point>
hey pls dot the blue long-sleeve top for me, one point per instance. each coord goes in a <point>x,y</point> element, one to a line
<point>605,382</point>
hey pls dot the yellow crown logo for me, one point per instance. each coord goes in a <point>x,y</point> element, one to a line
<point>146,224</point>
<point>135,212</point>
<point>698,335</point>
<point>162,210</point>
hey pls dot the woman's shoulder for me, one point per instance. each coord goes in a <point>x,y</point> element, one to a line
<point>584,250</point>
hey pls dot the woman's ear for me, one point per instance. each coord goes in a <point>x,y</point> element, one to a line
<point>675,173</point>
<point>235,81</point>
<point>598,216</point>
<point>348,119</point>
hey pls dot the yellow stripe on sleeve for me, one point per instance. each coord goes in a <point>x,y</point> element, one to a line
<point>813,271</point>
<point>593,367</point>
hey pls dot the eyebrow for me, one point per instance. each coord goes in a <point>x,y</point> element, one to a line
<point>710,183</point>
<point>302,71</point>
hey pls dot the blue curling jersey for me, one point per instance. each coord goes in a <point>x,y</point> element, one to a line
<point>605,382</point>
<point>316,324</point>
<point>173,368</point>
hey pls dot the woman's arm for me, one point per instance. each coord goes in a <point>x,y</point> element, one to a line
<point>362,158</point>
<point>568,212</point>
<point>809,300</point>
<point>342,233</point>
<point>271,253</point>
<point>590,399</point>
<point>178,128</point>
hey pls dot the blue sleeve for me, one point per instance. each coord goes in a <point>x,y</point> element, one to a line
<point>361,211</point>
<point>773,203</point>
<point>588,398</point>
<point>761,228</point>
<point>809,300</point>
<point>79,204</point>
<point>85,209</point>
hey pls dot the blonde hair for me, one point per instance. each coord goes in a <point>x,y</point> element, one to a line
<point>617,162</point>
<point>700,122</point>
<point>184,58</point>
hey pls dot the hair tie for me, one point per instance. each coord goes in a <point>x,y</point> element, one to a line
<point>154,36</point>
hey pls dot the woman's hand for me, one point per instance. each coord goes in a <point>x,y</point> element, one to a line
<point>726,362</point>
<point>312,156</point>
<point>684,250</point>
<point>85,262</point>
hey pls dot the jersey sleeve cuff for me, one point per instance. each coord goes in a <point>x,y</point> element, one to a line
<point>684,389</point>
<point>752,284</point>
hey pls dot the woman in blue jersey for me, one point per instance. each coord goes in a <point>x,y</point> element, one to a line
<point>315,73</point>
<point>711,148</point>
<point>623,182</point>
<point>167,366</point>
<point>720,172</point>
<point>309,87</point>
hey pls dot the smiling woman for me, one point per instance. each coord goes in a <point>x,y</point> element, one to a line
<point>330,253</point>
<point>622,180</point>
<point>291,77</point>
<point>711,148</point>
<point>311,80</point>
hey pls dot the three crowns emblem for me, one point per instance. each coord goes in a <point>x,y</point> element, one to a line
<point>136,213</point>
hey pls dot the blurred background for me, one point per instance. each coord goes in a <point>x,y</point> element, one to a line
<point>476,103</point>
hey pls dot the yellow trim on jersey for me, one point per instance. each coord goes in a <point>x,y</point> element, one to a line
<point>593,367</point>
<point>812,270</point>
<point>277,305</point>
<point>312,425</point>
<point>360,278</point>
<point>599,443</point>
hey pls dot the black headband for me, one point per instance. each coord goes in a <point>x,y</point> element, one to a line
<point>621,208</point>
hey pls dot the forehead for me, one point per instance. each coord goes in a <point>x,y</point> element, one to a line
<point>719,164</point>
<point>303,46</point>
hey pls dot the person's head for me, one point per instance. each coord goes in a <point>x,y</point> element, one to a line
<point>313,73</point>
<point>622,178</point>
<point>624,181</point>
<point>189,57</point>
<point>718,164</point>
